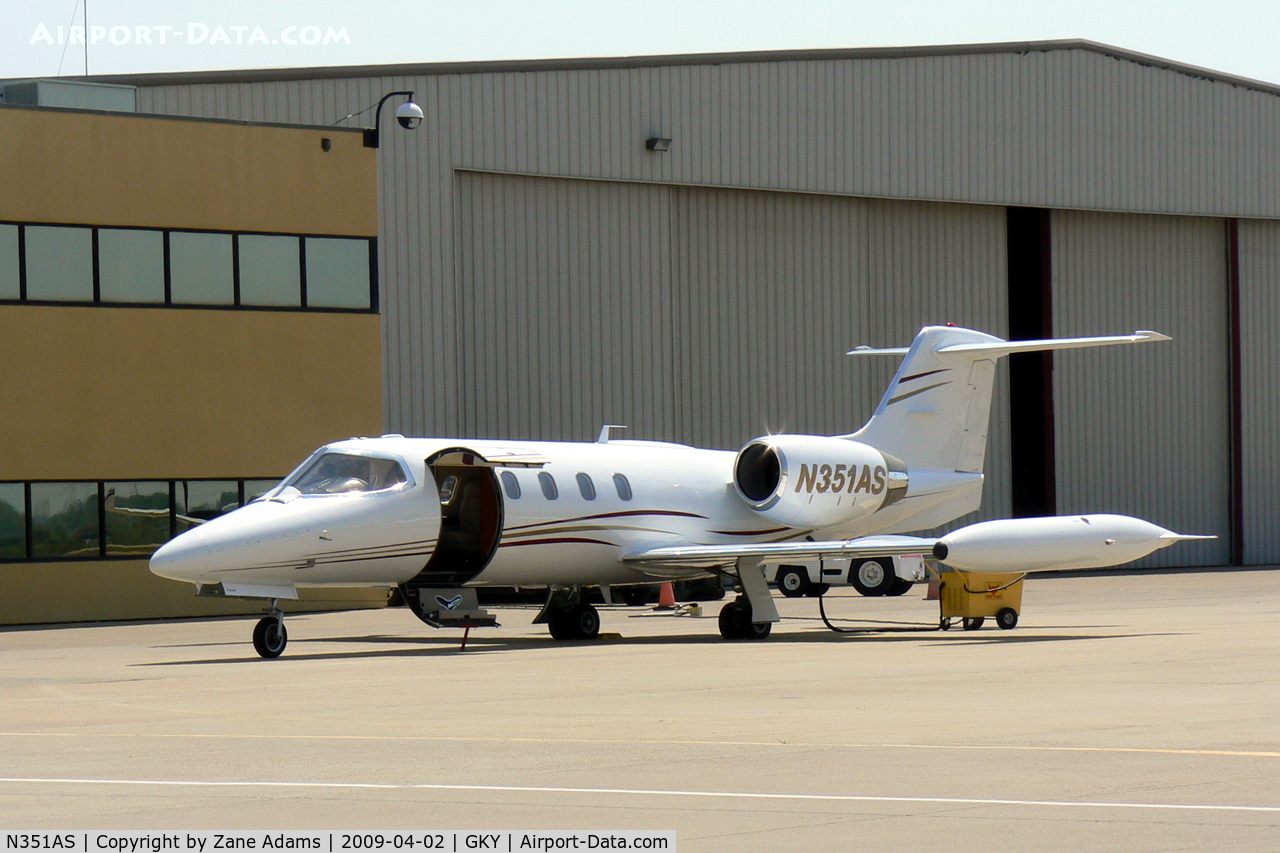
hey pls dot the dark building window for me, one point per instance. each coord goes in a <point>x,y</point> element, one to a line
<point>136,516</point>
<point>130,265</point>
<point>64,520</point>
<point>200,269</point>
<point>270,270</point>
<point>13,521</point>
<point>59,263</point>
<point>10,278</point>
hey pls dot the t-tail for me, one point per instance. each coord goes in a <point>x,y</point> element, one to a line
<point>935,414</point>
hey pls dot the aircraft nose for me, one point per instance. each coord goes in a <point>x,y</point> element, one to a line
<point>185,558</point>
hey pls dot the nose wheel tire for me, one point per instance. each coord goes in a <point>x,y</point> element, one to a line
<point>874,577</point>
<point>270,637</point>
<point>736,624</point>
<point>793,581</point>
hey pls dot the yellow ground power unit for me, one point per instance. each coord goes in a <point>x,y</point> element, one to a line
<point>973,596</point>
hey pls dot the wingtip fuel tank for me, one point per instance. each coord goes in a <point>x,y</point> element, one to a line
<point>1055,542</point>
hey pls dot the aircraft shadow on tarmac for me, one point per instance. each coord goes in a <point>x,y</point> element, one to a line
<point>437,646</point>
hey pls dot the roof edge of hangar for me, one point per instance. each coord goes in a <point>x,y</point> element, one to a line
<point>261,75</point>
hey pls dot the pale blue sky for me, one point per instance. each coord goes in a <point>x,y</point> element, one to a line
<point>1233,37</point>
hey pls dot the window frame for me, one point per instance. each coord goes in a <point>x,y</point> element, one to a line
<point>550,489</point>
<point>168,302</point>
<point>101,485</point>
<point>620,484</point>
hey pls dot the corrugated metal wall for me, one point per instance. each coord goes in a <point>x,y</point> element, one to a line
<point>1066,128</point>
<point>1144,430</point>
<point>706,316</point>
<point>1260,387</point>
<point>565,317</point>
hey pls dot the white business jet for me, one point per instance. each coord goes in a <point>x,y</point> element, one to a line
<point>434,519</point>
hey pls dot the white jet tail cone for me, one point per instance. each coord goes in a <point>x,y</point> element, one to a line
<point>1056,542</point>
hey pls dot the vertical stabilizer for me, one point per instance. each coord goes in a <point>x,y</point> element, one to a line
<point>935,413</point>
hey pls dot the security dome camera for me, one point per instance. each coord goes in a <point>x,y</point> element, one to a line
<point>409,115</point>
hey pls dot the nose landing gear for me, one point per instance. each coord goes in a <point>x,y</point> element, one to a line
<point>269,635</point>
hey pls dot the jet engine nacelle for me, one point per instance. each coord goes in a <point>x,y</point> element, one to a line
<point>815,482</point>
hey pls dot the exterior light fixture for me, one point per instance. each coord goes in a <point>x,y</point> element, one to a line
<point>408,114</point>
<point>657,143</point>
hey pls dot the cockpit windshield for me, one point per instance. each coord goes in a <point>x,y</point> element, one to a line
<point>344,473</point>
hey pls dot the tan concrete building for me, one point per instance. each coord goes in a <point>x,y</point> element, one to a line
<point>187,309</point>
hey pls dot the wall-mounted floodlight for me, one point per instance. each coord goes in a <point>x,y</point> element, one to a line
<point>657,143</point>
<point>408,114</point>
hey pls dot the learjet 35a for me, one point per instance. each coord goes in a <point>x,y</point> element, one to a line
<point>433,519</point>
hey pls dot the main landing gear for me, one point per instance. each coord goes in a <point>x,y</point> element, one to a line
<point>269,635</point>
<point>736,624</point>
<point>579,622</point>
<point>569,617</point>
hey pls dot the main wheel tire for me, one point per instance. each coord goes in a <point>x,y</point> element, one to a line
<point>793,581</point>
<point>973,623</point>
<point>732,623</point>
<point>1007,618</point>
<point>873,577</point>
<point>900,587</point>
<point>270,637</point>
<point>559,625</point>
<point>584,622</point>
<point>817,590</point>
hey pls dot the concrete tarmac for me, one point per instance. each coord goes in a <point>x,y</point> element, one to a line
<point>1129,712</point>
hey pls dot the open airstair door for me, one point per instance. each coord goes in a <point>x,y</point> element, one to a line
<point>470,513</point>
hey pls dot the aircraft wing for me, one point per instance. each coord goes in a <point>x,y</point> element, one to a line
<point>708,556</point>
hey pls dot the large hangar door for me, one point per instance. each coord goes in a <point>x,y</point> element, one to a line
<point>771,291</point>
<point>1260,388</point>
<point>564,308</point>
<point>1144,431</point>
<point>936,263</point>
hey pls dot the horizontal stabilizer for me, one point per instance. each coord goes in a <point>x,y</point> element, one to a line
<point>1006,347</point>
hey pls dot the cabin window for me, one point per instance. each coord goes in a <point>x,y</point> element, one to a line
<point>587,487</point>
<point>511,484</point>
<point>447,489</point>
<point>548,483</point>
<point>623,486</point>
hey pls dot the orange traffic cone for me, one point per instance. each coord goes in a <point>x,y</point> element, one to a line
<point>935,588</point>
<point>666,597</point>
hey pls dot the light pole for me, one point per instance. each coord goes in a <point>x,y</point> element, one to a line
<point>408,114</point>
